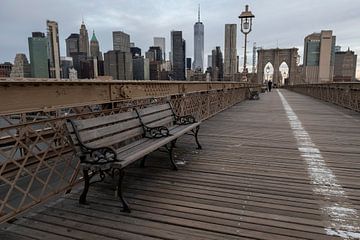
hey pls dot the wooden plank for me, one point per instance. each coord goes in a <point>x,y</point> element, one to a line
<point>156,116</point>
<point>104,120</point>
<point>101,132</point>
<point>117,138</point>
<point>153,108</point>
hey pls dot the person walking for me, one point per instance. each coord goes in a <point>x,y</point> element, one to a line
<point>269,85</point>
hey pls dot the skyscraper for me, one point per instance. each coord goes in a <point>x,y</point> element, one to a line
<point>230,58</point>
<point>118,64</point>
<point>5,69</point>
<point>135,52</point>
<point>38,52</point>
<point>160,42</point>
<point>198,45</point>
<point>217,65</point>
<point>72,44</point>
<point>156,54</point>
<point>21,68</point>
<point>84,40</point>
<point>345,66</point>
<point>177,55</point>
<point>209,61</point>
<point>54,49</point>
<point>319,57</point>
<point>95,48</point>
<point>66,65</point>
<point>121,41</point>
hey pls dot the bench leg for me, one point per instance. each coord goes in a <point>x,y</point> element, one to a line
<point>82,199</point>
<point>196,137</point>
<point>126,207</point>
<point>170,151</point>
<point>173,143</point>
<point>142,163</point>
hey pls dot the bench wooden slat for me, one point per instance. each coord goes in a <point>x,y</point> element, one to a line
<point>162,122</point>
<point>96,133</point>
<point>117,138</point>
<point>129,155</point>
<point>154,109</point>
<point>104,120</point>
<point>155,117</point>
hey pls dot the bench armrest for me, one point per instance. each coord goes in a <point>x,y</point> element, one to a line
<point>153,132</point>
<point>184,120</point>
<point>156,132</point>
<point>100,156</point>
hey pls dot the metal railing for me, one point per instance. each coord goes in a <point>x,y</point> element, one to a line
<point>36,159</point>
<point>343,94</point>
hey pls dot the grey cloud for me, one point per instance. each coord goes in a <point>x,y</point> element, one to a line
<point>280,23</point>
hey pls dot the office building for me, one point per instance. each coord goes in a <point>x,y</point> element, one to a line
<point>188,63</point>
<point>198,65</point>
<point>345,66</point>
<point>118,65</point>
<point>177,56</point>
<point>21,67</point>
<point>209,61</point>
<point>154,54</point>
<point>5,69</point>
<point>319,57</point>
<point>160,42</point>
<point>53,49</point>
<point>121,41</point>
<point>38,52</point>
<point>72,44</point>
<point>84,40</point>
<point>77,59</point>
<point>95,52</point>
<point>135,52</point>
<point>66,65</point>
<point>230,54</point>
<point>217,65</point>
<point>138,68</point>
<point>146,69</point>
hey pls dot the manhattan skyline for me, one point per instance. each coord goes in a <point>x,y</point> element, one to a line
<point>278,23</point>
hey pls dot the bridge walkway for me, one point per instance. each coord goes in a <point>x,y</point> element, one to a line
<point>284,167</point>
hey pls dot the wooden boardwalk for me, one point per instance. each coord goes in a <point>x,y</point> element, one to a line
<point>250,181</point>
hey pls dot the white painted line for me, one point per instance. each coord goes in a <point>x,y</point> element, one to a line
<point>343,219</point>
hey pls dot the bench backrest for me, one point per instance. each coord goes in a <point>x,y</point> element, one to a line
<point>157,115</point>
<point>106,130</point>
<point>118,128</point>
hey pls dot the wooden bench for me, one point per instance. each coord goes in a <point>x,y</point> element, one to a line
<point>253,94</point>
<point>108,144</point>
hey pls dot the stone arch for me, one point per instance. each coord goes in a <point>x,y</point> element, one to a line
<point>276,57</point>
<point>284,73</point>
<point>268,72</point>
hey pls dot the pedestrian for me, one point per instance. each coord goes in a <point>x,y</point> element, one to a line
<point>270,85</point>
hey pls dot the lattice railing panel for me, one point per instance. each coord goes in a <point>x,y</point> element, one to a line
<point>37,160</point>
<point>342,94</point>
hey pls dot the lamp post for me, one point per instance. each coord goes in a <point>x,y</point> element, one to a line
<point>246,27</point>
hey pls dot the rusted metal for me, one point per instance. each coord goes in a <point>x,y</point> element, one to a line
<point>46,95</point>
<point>343,94</point>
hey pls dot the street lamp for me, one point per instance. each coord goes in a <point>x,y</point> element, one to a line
<point>246,27</point>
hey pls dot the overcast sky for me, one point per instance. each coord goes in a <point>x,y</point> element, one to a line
<point>281,23</point>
